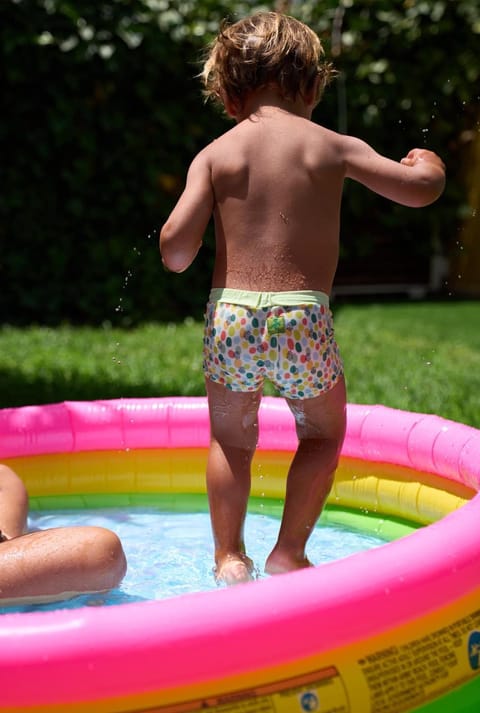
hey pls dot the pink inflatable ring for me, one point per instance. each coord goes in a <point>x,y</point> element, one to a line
<point>393,629</point>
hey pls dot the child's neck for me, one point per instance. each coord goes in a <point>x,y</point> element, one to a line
<point>263,101</point>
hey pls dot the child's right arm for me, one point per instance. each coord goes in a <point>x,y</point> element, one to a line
<point>416,181</point>
<point>181,236</point>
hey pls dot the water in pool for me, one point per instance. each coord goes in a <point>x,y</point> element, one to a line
<point>170,553</point>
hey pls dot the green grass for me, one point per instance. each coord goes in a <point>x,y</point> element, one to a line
<point>416,356</point>
<point>42,365</point>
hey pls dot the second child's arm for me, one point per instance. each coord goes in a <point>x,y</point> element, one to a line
<point>181,236</point>
<point>416,181</point>
<point>13,504</point>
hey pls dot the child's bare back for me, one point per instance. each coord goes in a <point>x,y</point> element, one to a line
<point>274,186</point>
<point>277,184</point>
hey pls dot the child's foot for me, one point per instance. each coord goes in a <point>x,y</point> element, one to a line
<point>281,562</point>
<point>234,569</point>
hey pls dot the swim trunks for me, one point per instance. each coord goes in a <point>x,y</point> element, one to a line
<point>285,337</point>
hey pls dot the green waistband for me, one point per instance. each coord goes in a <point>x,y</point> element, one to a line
<point>248,298</point>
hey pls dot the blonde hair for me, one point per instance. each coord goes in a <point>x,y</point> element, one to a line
<point>262,49</point>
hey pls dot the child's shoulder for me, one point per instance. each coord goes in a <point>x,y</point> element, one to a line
<point>245,137</point>
<point>220,146</point>
<point>208,153</point>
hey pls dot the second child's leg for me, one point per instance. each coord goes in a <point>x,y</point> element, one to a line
<point>233,439</point>
<point>320,424</point>
<point>59,563</point>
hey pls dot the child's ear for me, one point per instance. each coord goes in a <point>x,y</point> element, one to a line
<point>232,107</point>
<point>312,97</point>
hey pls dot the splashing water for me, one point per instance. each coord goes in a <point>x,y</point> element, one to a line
<point>171,553</point>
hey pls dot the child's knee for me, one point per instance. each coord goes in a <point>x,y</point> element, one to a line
<point>106,558</point>
<point>325,450</point>
<point>236,430</point>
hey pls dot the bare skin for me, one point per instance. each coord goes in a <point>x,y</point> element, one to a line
<point>233,439</point>
<point>234,433</point>
<point>274,185</point>
<point>54,564</point>
<point>13,504</point>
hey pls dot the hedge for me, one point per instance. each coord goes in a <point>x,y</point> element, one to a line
<point>103,113</point>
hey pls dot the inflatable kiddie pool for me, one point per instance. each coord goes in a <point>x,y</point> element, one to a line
<point>393,629</point>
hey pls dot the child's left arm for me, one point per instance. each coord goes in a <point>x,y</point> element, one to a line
<point>417,180</point>
<point>181,236</point>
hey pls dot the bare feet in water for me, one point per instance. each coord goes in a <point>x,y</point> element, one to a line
<point>234,569</point>
<point>281,562</point>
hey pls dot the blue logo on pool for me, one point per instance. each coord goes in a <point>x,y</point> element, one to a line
<point>309,702</point>
<point>474,649</point>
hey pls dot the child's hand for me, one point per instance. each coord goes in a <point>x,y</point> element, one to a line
<point>415,156</point>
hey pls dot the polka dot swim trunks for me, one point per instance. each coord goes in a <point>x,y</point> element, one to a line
<point>292,346</point>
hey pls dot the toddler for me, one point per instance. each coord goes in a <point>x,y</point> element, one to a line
<point>273,184</point>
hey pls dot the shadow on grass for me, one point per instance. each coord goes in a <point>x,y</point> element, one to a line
<point>18,390</point>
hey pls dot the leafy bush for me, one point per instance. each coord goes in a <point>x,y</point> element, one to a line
<point>104,114</point>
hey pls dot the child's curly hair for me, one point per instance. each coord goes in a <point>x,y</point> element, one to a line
<point>262,49</point>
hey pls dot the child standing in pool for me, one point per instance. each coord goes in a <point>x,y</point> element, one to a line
<point>274,185</point>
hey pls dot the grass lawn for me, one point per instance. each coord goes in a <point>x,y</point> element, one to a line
<point>421,357</point>
<point>416,356</point>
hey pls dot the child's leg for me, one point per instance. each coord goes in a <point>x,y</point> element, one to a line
<point>59,563</point>
<point>320,424</point>
<point>233,439</point>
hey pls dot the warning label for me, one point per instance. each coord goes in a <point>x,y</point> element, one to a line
<point>321,690</point>
<point>420,669</point>
<point>391,679</point>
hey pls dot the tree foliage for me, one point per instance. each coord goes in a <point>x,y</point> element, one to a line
<point>104,113</point>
